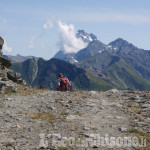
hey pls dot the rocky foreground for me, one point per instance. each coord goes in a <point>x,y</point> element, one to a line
<point>41,119</point>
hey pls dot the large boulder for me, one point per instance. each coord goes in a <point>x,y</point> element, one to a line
<point>3,73</point>
<point>3,61</point>
<point>1,45</point>
<point>12,75</point>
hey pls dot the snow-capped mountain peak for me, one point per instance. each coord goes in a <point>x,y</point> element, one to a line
<point>85,36</point>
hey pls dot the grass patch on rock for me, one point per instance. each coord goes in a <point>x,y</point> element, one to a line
<point>45,116</point>
<point>141,134</point>
<point>78,113</point>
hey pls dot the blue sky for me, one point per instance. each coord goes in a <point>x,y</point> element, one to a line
<point>30,27</point>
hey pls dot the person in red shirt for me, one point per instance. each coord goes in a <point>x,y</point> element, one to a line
<point>63,83</point>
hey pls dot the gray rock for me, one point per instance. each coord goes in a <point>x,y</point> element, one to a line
<point>114,91</point>
<point>2,88</point>
<point>43,144</point>
<point>20,81</point>
<point>56,136</point>
<point>50,107</point>
<point>2,83</point>
<point>119,117</point>
<point>4,79</point>
<point>122,129</point>
<point>135,104</point>
<point>13,75</point>
<point>86,128</point>
<point>9,141</point>
<point>145,106</point>
<point>9,99</point>
<point>119,105</point>
<point>72,117</point>
<point>13,89</point>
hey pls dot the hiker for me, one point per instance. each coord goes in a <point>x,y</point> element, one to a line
<point>63,83</point>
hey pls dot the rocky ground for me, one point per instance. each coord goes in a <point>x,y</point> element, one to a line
<point>34,119</point>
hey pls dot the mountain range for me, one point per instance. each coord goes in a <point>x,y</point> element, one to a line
<point>98,66</point>
<point>39,72</point>
<point>120,63</point>
<point>17,58</point>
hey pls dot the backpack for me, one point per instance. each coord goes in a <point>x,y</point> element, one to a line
<point>64,85</point>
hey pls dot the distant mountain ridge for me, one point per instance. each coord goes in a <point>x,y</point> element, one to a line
<point>17,58</point>
<point>41,72</point>
<point>117,70</point>
<point>121,46</point>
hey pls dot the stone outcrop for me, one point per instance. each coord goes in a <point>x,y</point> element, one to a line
<point>1,45</point>
<point>8,78</point>
<point>3,61</point>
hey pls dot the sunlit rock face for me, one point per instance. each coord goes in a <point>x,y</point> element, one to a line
<point>1,45</point>
<point>3,61</point>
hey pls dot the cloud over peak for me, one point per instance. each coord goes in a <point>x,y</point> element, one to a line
<point>69,42</point>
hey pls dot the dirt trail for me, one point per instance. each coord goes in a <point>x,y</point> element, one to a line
<point>32,119</point>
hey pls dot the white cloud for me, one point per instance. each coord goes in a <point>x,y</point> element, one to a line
<point>69,43</point>
<point>7,48</point>
<point>48,25</point>
<point>31,43</point>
